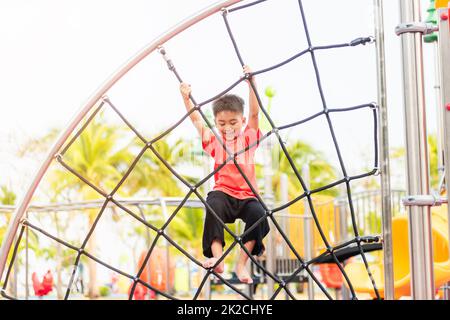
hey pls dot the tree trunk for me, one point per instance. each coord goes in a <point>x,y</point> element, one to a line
<point>59,292</point>
<point>93,290</point>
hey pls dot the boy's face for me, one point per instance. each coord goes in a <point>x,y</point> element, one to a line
<point>229,124</point>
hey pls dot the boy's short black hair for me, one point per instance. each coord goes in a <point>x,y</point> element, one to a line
<point>228,102</point>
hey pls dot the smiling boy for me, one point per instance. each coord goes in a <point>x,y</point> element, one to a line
<point>231,197</point>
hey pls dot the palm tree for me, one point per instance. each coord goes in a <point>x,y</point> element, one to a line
<point>94,156</point>
<point>433,156</point>
<point>301,153</point>
<point>321,172</point>
<point>152,177</point>
<point>7,197</point>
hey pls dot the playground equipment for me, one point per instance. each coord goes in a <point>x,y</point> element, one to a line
<point>44,287</point>
<point>160,263</point>
<point>331,213</point>
<point>155,271</point>
<point>335,252</point>
<point>331,276</point>
<point>419,211</point>
<point>99,100</point>
<point>402,270</point>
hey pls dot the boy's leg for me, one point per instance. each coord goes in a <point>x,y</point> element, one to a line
<point>213,233</point>
<point>251,213</point>
<point>241,270</point>
<point>217,251</point>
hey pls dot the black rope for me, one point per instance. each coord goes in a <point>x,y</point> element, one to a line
<point>330,252</point>
<point>81,249</point>
<point>142,267</point>
<point>106,99</point>
<point>77,134</point>
<point>347,183</point>
<point>13,257</point>
<point>245,5</point>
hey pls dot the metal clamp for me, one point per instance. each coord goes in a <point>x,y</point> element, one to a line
<point>162,51</point>
<point>423,200</point>
<point>422,27</point>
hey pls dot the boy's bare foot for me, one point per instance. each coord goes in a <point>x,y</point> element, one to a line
<point>242,274</point>
<point>211,262</point>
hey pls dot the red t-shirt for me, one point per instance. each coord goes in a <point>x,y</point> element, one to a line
<point>228,179</point>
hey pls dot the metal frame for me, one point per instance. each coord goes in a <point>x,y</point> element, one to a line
<point>386,201</point>
<point>308,229</point>
<point>439,117</point>
<point>422,27</point>
<point>444,58</point>
<point>163,202</point>
<point>97,96</point>
<point>79,116</point>
<point>269,198</point>
<point>93,204</point>
<point>417,169</point>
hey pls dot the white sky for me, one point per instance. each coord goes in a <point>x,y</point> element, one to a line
<point>55,54</point>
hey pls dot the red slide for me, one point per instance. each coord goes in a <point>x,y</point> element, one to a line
<point>331,275</point>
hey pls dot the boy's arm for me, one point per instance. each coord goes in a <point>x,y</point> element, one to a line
<point>205,133</point>
<point>253,116</point>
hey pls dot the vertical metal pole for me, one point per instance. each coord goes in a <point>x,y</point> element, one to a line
<point>147,242</point>
<point>167,269</point>
<point>446,292</point>
<point>439,113</point>
<point>359,208</point>
<point>308,231</point>
<point>362,214</point>
<point>269,200</point>
<point>420,236</point>
<point>342,211</point>
<point>27,289</point>
<point>188,267</point>
<point>444,59</point>
<point>386,204</point>
<point>13,274</point>
<point>285,219</point>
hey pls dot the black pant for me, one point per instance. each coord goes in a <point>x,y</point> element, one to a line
<point>228,209</point>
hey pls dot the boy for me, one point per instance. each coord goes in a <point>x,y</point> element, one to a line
<point>231,197</point>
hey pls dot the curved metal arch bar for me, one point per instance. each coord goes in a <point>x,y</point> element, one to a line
<point>148,49</point>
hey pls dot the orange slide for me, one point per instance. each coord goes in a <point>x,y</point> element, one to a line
<point>154,273</point>
<point>402,276</point>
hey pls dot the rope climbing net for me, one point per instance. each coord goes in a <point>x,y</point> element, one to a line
<point>332,253</point>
